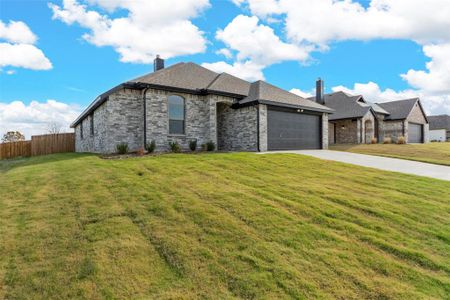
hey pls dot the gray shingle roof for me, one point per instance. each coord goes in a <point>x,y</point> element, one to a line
<point>230,84</point>
<point>267,93</point>
<point>377,108</point>
<point>400,109</point>
<point>182,75</point>
<point>345,106</point>
<point>195,78</point>
<point>439,122</point>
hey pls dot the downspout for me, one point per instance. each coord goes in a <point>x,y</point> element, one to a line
<point>257,129</point>
<point>144,98</point>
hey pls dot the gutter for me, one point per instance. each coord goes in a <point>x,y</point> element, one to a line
<point>280,104</point>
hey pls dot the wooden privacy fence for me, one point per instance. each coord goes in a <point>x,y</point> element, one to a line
<point>15,149</point>
<point>39,145</point>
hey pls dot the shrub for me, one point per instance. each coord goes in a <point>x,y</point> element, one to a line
<point>140,151</point>
<point>150,147</point>
<point>373,141</point>
<point>387,140</point>
<point>193,145</point>
<point>122,148</point>
<point>401,140</point>
<point>174,147</point>
<point>210,146</point>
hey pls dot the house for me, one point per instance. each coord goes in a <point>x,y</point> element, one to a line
<point>187,102</point>
<point>356,120</point>
<point>439,128</point>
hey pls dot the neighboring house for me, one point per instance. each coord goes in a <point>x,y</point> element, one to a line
<point>187,102</point>
<point>406,118</point>
<point>356,120</point>
<point>439,128</point>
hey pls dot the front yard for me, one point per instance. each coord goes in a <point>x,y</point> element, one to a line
<point>435,153</point>
<point>240,225</point>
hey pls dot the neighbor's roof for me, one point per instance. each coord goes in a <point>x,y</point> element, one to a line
<point>398,110</point>
<point>193,78</point>
<point>345,106</point>
<point>439,122</point>
<point>266,93</point>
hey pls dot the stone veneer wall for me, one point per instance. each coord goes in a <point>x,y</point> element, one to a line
<point>117,120</point>
<point>200,119</point>
<point>393,129</point>
<point>324,131</point>
<point>237,128</point>
<point>263,128</point>
<point>362,138</point>
<point>349,134</point>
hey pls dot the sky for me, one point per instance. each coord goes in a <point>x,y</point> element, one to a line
<point>57,56</point>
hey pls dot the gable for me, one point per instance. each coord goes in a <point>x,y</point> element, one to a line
<point>417,115</point>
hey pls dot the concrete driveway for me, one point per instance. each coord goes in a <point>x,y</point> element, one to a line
<point>378,162</point>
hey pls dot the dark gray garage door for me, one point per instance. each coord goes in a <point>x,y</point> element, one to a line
<point>415,133</point>
<point>290,130</point>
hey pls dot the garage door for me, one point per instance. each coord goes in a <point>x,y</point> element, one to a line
<point>415,133</point>
<point>290,130</point>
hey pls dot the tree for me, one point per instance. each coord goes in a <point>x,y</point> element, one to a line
<point>54,128</point>
<point>13,136</point>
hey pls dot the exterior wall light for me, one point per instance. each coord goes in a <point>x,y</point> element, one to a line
<point>299,110</point>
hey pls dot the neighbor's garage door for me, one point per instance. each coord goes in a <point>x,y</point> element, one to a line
<point>290,130</point>
<point>415,133</point>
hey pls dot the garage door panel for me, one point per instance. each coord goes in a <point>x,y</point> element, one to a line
<point>292,130</point>
<point>415,133</point>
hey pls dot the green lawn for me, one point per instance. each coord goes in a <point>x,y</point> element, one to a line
<point>435,153</point>
<point>219,226</point>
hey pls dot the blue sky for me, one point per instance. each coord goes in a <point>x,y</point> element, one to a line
<point>82,68</point>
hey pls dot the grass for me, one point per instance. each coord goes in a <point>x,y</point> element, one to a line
<point>219,226</point>
<point>435,153</point>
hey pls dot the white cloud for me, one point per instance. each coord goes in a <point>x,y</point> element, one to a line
<point>247,70</point>
<point>34,118</point>
<point>151,27</point>
<point>257,47</point>
<point>437,79</point>
<point>17,32</point>
<point>225,52</point>
<point>24,56</point>
<point>433,104</point>
<point>17,49</point>
<point>320,22</point>
<point>302,93</point>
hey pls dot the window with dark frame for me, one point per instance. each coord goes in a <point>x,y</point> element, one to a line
<point>92,124</point>
<point>176,114</point>
<point>81,129</point>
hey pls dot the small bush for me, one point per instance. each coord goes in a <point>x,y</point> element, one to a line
<point>122,148</point>
<point>401,140</point>
<point>210,146</point>
<point>373,141</point>
<point>387,140</point>
<point>175,147</point>
<point>150,147</point>
<point>193,145</point>
<point>140,152</point>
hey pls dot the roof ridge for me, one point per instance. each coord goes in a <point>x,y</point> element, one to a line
<point>214,80</point>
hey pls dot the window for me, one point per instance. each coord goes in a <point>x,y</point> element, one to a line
<point>92,124</point>
<point>81,129</point>
<point>176,115</point>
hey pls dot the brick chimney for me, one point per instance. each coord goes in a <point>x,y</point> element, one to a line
<point>320,97</point>
<point>158,63</point>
